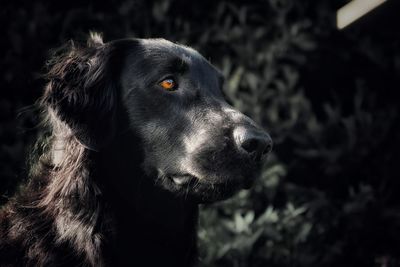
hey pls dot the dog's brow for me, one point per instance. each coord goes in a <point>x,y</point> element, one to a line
<point>178,64</point>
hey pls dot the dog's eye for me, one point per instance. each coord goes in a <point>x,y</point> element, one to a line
<point>168,84</point>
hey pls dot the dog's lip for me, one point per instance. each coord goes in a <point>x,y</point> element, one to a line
<point>185,179</point>
<point>181,179</point>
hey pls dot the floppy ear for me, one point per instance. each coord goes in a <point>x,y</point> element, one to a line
<point>81,91</point>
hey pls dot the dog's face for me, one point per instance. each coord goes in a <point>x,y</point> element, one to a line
<point>194,143</point>
<point>169,99</point>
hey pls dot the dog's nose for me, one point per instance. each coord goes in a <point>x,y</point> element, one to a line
<point>254,142</point>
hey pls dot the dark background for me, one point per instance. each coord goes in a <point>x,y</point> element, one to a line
<point>329,195</point>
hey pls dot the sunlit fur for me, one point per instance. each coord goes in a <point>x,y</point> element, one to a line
<point>56,219</point>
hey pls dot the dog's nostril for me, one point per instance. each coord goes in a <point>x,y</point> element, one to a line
<point>257,145</point>
<point>250,145</point>
<point>268,148</point>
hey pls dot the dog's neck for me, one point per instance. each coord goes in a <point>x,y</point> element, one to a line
<point>148,220</point>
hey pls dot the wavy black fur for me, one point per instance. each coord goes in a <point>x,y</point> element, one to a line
<point>122,164</point>
<point>65,216</point>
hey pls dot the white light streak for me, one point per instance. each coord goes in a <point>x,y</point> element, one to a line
<point>355,10</point>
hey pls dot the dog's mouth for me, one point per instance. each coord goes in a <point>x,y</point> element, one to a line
<point>207,190</point>
<point>186,179</point>
<point>182,179</point>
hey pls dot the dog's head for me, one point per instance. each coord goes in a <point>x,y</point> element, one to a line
<point>193,143</point>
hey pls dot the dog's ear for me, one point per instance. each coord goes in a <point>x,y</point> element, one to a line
<point>81,90</point>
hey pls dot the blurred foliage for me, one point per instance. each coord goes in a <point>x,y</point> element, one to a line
<point>328,196</point>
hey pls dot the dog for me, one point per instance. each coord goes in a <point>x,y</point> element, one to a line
<point>136,135</point>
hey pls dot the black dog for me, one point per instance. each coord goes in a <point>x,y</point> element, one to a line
<point>138,135</point>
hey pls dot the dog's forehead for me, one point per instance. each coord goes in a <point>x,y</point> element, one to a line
<point>163,48</point>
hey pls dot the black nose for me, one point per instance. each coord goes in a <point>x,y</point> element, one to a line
<point>255,143</point>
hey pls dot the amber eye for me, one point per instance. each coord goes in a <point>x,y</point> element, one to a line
<point>168,84</point>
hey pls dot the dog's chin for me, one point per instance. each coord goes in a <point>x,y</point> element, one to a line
<point>205,189</point>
